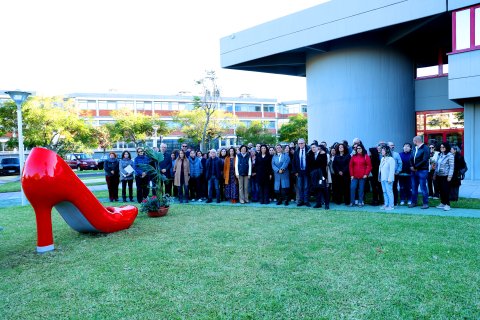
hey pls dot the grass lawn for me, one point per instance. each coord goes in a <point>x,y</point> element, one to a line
<point>206,262</point>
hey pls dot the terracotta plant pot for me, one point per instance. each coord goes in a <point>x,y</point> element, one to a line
<point>160,213</point>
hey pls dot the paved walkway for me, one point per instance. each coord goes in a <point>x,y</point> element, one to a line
<point>468,189</point>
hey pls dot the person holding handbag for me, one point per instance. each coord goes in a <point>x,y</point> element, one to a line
<point>443,175</point>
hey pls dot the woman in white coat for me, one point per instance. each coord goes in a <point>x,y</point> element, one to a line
<point>386,176</point>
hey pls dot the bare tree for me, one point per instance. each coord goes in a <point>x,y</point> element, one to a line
<point>208,103</point>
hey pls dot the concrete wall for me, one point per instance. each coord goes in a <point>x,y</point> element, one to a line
<point>365,92</point>
<point>432,94</point>
<point>472,139</point>
<point>332,20</point>
<point>464,75</point>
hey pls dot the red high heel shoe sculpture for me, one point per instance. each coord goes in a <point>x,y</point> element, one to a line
<point>49,182</point>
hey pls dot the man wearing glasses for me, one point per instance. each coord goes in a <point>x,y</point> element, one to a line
<point>299,168</point>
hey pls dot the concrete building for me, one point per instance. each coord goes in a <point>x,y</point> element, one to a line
<point>377,69</point>
<point>99,106</point>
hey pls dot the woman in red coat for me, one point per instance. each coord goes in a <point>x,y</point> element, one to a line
<point>360,167</point>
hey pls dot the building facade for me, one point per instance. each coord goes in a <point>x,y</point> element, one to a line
<point>99,107</point>
<point>377,69</point>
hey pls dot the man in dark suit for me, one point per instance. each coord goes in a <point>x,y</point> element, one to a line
<point>213,173</point>
<point>300,169</point>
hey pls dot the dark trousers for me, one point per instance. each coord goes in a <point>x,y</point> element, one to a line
<point>322,195</point>
<point>405,188</point>
<point>193,186</point>
<point>395,190</point>
<point>283,194</point>
<point>130,189</point>
<point>264,193</point>
<point>342,189</point>
<point>112,184</point>
<point>444,186</point>
<point>142,187</point>
<point>377,192</point>
<point>433,187</point>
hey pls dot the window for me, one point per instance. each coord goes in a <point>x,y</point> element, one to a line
<point>228,107</point>
<point>268,108</point>
<point>304,109</point>
<point>248,107</point>
<point>466,29</point>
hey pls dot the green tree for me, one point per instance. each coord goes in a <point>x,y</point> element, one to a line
<point>134,127</point>
<point>193,124</point>
<point>256,132</point>
<point>53,122</point>
<point>295,129</point>
<point>102,134</point>
<point>8,117</point>
<point>208,102</point>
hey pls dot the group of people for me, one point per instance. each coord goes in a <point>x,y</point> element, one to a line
<point>297,172</point>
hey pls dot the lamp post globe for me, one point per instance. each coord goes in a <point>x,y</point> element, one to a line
<point>155,128</point>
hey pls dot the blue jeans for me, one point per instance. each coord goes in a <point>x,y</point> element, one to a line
<point>213,183</point>
<point>419,178</point>
<point>302,187</point>
<point>388,193</point>
<point>353,187</point>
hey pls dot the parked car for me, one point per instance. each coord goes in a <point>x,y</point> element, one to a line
<point>81,161</point>
<point>101,161</point>
<point>9,166</point>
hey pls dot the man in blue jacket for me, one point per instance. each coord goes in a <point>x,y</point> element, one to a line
<point>419,168</point>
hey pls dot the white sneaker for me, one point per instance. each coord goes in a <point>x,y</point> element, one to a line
<point>193,200</point>
<point>409,202</point>
<point>440,206</point>
<point>402,203</point>
<point>199,200</point>
<point>446,208</point>
<point>383,207</point>
<point>389,208</point>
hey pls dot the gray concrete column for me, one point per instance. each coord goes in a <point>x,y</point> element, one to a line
<point>361,91</point>
<point>472,139</point>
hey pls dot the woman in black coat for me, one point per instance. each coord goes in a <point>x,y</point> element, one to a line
<point>374,183</point>
<point>459,169</point>
<point>263,166</point>
<point>341,174</point>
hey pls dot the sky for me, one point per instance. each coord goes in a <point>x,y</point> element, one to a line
<point>55,47</point>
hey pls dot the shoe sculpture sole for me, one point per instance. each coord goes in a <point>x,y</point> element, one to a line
<point>49,182</point>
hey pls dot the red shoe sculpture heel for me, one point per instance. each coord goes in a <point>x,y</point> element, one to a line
<point>49,182</point>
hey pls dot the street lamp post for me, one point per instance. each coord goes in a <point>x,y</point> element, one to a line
<point>19,98</point>
<point>155,138</point>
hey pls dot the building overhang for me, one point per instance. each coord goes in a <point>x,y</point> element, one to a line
<point>282,46</point>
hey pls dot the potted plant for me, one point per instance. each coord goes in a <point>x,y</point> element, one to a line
<point>155,206</point>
